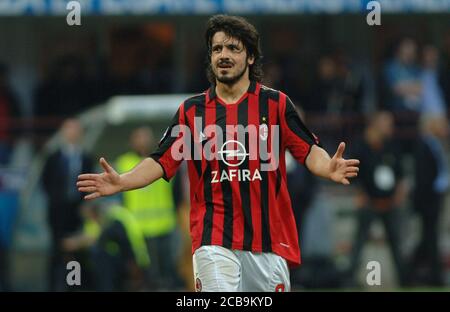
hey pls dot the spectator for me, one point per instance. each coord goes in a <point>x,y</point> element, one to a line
<point>356,94</point>
<point>341,87</point>
<point>154,208</point>
<point>9,110</point>
<point>120,254</point>
<point>325,99</point>
<point>402,78</point>
<point>352,83</point>
<point>325,91</point>
<point>433,101</point>
<point>59,178</point>
<point>381,190</point>
<point>116,253</point>
<point>82,241</point>
<point>431,181</point>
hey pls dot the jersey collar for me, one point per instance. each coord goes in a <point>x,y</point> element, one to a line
<point>253,88</point>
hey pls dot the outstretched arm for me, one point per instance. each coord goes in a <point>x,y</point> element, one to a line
<point>336,169</point>
<point>109,182</point>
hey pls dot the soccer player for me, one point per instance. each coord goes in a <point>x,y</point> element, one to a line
<point>242,225</point>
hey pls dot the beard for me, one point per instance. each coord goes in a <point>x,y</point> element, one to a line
<point>232,79</point>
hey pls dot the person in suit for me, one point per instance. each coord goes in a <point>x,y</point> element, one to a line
<point>381,192</point>
<point>59,178</point>
<point>431,181</point>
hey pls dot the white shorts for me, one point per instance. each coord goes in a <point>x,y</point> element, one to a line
<point>220,269</point>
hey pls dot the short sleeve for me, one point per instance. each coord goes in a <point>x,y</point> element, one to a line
<point>166,154</point>
<point>295,135</point>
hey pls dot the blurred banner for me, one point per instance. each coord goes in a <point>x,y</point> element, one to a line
<point>137,7</point>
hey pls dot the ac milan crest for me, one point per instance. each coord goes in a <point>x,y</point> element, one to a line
<point>263,132</point>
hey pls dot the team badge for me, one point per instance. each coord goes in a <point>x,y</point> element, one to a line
<point>263,132</point>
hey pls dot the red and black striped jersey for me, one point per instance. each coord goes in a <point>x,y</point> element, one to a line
<point>238,188</point>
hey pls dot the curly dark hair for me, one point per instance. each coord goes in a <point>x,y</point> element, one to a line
<point>239,28</point>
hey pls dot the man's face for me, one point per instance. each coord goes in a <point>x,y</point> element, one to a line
<point>229,60</point>
<point>407,51</point>
<point>327,68</point>
<point>141,139</point>
<point>72,131</point>
<point>430,56</point>
<point>385,125</point>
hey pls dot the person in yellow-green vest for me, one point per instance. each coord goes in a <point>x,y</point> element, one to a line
<point>120,254</point>
<point>154,210</point>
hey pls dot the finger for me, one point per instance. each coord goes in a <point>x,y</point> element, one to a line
<point>352,162</point>
<point>88,189</point>
<point>92,196</point>
<point>340,150</point>
<point>88,176</point>
<point>345,181</point>
<point>351,175</point>
<point>86,183</point>
<point>105,165</point>
<point>352,169</point>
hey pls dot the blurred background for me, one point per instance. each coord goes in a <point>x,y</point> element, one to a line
<point>70,94</point>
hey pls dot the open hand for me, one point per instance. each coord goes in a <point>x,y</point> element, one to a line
<point>342,169</point>
<point>100,184</point>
